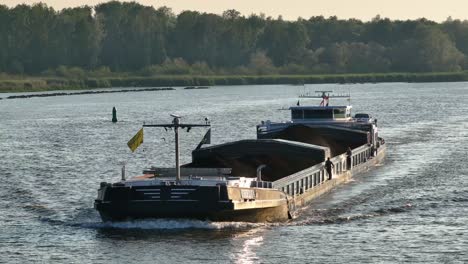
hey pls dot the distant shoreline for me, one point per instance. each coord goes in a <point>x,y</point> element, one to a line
<point>36,84</point>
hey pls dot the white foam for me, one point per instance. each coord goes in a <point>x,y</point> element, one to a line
<point>168,224</point>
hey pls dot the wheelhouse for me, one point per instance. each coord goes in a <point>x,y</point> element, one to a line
<point>320,113</point>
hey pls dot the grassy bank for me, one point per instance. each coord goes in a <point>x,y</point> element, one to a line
<point>30,84</point>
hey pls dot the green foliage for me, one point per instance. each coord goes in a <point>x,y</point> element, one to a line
<point>260,64</point>
<point>284,42</point>
<point>10,83</point>
<point>126,38</point>
<point>177,67</point>
<point>70,72</point>
<point>134,35</point>
<point>430,50</point>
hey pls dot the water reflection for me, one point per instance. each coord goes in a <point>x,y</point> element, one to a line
<point>55,151</point>
<point>249,243</point>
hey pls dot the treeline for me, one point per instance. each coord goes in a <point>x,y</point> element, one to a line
<point>129,37</point>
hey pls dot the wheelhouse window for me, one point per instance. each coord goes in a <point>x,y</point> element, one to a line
<point>362,116</point>
<point>296,114</point>
<point>339,112</point>
<point>318,114</point>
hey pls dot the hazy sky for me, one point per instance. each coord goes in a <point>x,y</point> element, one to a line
<point>437,10</point>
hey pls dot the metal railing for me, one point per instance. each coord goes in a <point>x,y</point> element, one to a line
<point>316,175</point>
<point>261,184</point>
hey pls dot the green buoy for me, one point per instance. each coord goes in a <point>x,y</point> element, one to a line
<point>114,115</point>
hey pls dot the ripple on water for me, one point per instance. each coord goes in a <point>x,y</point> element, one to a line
<point>55,151</point>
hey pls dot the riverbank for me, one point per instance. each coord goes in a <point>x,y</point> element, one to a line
<point>34,84</point>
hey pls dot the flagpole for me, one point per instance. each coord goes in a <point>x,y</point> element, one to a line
<point>177,157</point>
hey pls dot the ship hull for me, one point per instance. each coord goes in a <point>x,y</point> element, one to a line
<point>343,177</point>
<point>219,203</point>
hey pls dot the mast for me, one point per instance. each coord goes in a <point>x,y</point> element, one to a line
<point>176,125</point>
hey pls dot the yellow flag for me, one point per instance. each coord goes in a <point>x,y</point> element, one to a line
<point>136,140</point>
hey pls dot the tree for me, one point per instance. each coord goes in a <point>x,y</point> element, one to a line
<point>29,38</point>
<point>127,36</point>
<point>4,33</point>
<point>135,35</point>
<point>380,31</point>
<point>429,50</point>
<point>238,39</point>
<point>324,32</point>
<point>283,42</point>
<point>261,64</point>
<point>196,36</point>
<point>458,32</point>
<point>77,38</point>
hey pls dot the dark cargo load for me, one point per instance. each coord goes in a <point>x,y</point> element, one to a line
<point>338,139</point>
<point>281,157</point>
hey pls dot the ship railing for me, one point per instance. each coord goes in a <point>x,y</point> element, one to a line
<point>261,184</point>
<point>313,177</point>
<point>361,154</point>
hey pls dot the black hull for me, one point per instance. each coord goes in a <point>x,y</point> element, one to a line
<point>220,203</point>
<point>149,210</point>
<point>118,211</point>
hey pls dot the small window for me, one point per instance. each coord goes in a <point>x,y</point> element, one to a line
<point>362,116</point>
<point>318,114</point>
<point>339,112</point>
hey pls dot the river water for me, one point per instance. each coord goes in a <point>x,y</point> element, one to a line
<point>54,152</point>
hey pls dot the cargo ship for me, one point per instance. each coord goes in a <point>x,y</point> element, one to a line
<point>258,180</point>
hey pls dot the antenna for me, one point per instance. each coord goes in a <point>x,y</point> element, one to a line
<point>349,96</point>
<point>176,125</point>
<point>321,94</point>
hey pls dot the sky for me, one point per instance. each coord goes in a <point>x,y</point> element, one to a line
<point>437,10</point>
